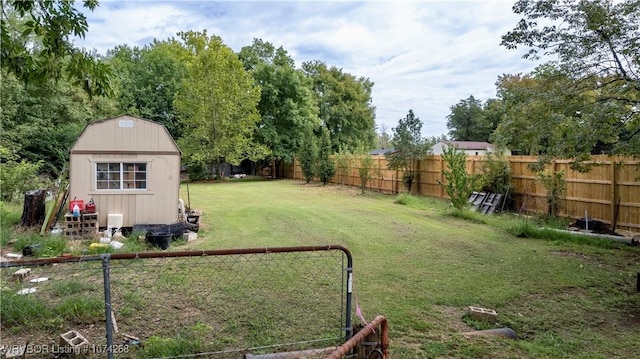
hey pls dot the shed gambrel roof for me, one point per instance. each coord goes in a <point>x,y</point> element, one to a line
<point>125,134</point>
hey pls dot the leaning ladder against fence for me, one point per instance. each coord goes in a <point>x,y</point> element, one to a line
<point>233,303</point>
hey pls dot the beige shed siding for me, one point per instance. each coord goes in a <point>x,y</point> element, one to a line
<point>145,142</point>
<point>107,135</point>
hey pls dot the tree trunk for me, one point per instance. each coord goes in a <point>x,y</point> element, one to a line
<point>278,172</point>
<point>33,212</point>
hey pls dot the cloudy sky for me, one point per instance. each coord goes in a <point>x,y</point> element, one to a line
<point>421,55</point>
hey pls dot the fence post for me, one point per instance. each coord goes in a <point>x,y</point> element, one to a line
<point>348,323</point>
<point>614,195</point>
<point>441,162</point>
<point>107,303</point>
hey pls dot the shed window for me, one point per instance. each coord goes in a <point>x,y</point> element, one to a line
<point>114,175</point>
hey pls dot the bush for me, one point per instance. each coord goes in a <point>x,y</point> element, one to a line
<point>197,171</point>
<point>496,174</point>
<point>19,177</point>
<point>343,164</point>
<point>365,170</point>
<point>9,216</point>
<point>459,184</point>
<point>556,188</point>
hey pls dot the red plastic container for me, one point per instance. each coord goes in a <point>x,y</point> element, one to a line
<point>73,202</point>
<point>90,207</point>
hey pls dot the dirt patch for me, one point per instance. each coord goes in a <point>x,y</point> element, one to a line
<point>628,319</point>
<point>571,254</point>
<point>453,318</point>
<point>333,189</point>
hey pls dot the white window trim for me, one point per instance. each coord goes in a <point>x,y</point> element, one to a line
<point>122,180</point>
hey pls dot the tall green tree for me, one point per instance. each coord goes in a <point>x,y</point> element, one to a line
<point>541,119</point>
<point>410,148</point>
<point>217,104</point>
<point>286,106</point>
<point>36,44</point>
<point>325,168</point>
<point>345,106</point>
<point>41,121</point>
<point>596,48</point>
<point>148,79</point>
<point>308,154</point>
<point>465,122</point>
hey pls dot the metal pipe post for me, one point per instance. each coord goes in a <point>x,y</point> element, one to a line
<point>107,303</point>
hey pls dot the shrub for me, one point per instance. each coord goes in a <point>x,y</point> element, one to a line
<point>556,188</point>
<point>9,217</point>
<point>19,177</point>
<point>197,171</point>
<point>364,171</point>
<point>459,184</point>
<point>343,164</point>
<point>496,174</point>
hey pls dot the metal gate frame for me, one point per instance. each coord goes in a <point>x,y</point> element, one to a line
<point>107,257</point>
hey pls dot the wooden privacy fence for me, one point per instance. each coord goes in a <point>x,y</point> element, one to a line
<point>610,192</point>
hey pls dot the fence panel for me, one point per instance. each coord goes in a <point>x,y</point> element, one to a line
<point>610,192</point>
<point>52,298</point>
<point>222,304</point>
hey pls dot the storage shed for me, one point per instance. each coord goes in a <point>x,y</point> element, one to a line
<point>130,167</point>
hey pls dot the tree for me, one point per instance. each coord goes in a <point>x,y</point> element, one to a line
<point>345,106</point>
<point>409,146</point>
<point>493,112</point>
<point>286,104</point>
<point>217,104</point>
<point>344,160</point>
<point>542,119</point>
<point>308,154</point>
<point>465,121</point>
<point>36,45</point>
<point>459,184</point>
<point>149,77</point>
<point>597,47</point>
<point>384,139</point>
<point>471,120</point>
<point>365,170</point>
<point>41,121</point>
<point>325,168</point>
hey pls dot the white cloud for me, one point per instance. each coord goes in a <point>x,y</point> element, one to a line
<point>421,55</point>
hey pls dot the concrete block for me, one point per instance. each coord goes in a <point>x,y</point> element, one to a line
<point>73,342</point>
<point>22,274</point>
<point>16,351</point>
<point>488,315</point>
<point>190,236</point>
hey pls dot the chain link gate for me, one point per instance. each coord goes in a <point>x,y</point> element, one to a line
<point>239,303</point>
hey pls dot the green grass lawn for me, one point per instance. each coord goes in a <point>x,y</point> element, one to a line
<point>422,268</point>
